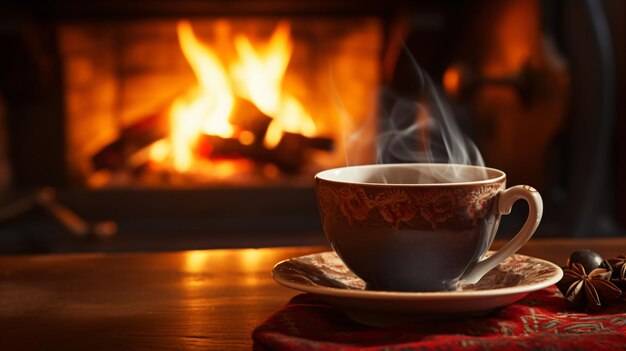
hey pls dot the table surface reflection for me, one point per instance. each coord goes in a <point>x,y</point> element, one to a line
<point>209,300</point>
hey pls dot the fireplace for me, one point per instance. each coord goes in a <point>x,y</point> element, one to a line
<point>183,125</point>
<point>192,103</point>
<point>200,124</point>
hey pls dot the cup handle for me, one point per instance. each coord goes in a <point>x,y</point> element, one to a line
<point>505,201</point>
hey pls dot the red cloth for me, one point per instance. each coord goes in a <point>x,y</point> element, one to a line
<point>541,321</point>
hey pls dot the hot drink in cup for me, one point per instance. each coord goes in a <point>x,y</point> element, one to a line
<point>420,227</point>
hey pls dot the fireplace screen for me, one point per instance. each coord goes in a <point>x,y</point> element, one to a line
<point>192,103</point>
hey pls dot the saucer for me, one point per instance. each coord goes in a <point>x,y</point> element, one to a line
<point>326,276</point>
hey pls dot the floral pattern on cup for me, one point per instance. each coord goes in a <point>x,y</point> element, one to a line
<point>438,205</point>
<point>432,206</point>
<point>478,201</point>
<point>396,206</point>
<point>354,203</point>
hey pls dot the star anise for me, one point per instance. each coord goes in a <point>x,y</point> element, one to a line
<point>589,291</point>
<point>618,266</point>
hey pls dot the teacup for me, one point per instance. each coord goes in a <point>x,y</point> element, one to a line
<point>420,227</point>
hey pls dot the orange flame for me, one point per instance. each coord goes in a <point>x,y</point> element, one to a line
<point>291,118</point>
<point>210,106</point>
<point>257,76</point>
<point>260,71</point>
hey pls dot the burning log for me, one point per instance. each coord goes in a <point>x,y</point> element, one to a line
<point>289,155</point>
<point>132,139</point>
<point>136,137</point>
<point>247,116</point>
<point>131,151</point>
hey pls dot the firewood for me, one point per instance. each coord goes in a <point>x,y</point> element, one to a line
<point>246,116</point>
<point>289,155</point>
<point>131,139</point>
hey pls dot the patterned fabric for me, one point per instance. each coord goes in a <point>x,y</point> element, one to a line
<point>541,321</point>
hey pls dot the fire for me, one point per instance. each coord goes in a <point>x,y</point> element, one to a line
<point>255,75</point>
<point>260,71</point>
<point>290,118</point>
<point>209,107</point>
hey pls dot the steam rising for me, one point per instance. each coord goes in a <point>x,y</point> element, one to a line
<point>418,130</point>
<point>430,136</point>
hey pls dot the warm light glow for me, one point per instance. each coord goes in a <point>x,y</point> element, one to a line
<point>251,261</point>
<point>246,137</point>
<point>291,118</point>
<point>452,80</point>
<point>225,169</point>
<point>256,75</point>
<point>159,151</point>
<point>195,261</point>
<point>215,91</point>
<point>208,109</point>
<point>260,70</point>
<point>271,171</point>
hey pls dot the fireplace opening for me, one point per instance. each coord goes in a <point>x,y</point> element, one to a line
<point>244,101</point>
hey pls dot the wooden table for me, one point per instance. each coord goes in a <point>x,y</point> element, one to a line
<point>209,300</point>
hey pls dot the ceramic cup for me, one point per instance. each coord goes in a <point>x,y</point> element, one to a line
<point>420,227</point>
